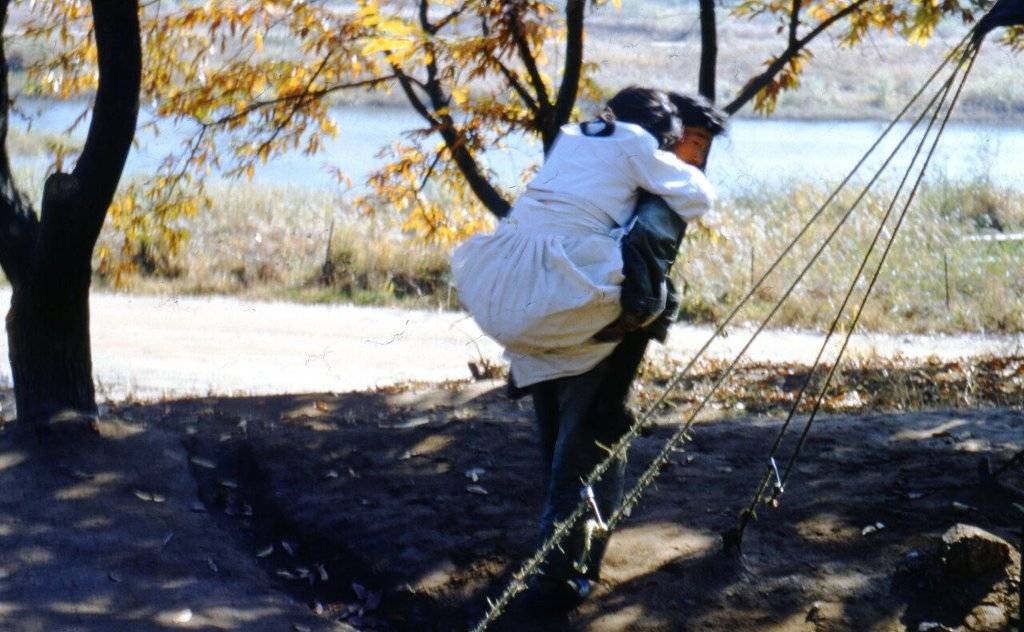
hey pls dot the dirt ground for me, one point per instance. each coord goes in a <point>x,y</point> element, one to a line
<point>362,508</point>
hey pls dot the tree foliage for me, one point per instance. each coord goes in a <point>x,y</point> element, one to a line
<point>253,79</point>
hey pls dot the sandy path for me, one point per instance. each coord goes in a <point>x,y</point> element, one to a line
<point>154,346</point>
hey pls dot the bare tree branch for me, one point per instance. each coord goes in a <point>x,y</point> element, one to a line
<point>18,222</point>
<point>445,125</point>
<point>708,50</point>
<point>761,81</point>
<point>405,82</point>
<point>518,86</point>
<point>115,113</point>
<point>301,97</point>
<point>526,55</point>
<point>794,22</point>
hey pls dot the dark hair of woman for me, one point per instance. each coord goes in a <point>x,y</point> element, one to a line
<point>697,111</point>
<point>646,107</point>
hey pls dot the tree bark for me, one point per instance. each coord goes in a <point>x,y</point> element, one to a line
<point>571,74</point>
<point>708,50</point>
<point>48,260</point>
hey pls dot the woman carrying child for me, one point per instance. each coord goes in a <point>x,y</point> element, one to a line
<point>549,279</point>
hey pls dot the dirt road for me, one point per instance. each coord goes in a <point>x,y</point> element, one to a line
<point>153,346</point>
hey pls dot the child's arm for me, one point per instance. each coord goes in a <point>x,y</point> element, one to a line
<point>683,187</point>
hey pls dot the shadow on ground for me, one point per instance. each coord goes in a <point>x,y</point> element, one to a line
<point>405,509</point>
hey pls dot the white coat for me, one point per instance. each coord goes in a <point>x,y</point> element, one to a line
<point>549,277</point>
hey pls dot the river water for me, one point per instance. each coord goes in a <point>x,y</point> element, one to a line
<point>755,153</point>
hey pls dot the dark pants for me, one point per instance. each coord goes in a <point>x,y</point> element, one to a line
<point>576,416</point>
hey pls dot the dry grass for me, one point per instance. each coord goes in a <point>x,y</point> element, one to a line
<point>986,290</point>
<point>272,242</point>
<point>269,242</point>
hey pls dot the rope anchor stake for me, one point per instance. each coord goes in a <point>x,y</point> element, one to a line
<point>777,487</point>
<point>590,527</point>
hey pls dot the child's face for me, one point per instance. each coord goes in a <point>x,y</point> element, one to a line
<point>694,146</point>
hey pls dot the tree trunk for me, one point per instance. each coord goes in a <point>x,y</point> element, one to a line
<point>48,259</point>
<point>708,50</point>
<point>48,339</point>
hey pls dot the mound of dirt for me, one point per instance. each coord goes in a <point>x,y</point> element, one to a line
<point>429,499</point>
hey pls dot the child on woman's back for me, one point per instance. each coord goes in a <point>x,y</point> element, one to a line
<point>550,276</point>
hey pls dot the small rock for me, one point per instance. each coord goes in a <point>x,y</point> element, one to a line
<point>183,617</point>
<point>970,552</point>
<point>986,618</point>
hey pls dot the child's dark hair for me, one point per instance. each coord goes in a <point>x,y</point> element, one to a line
<point>697,111</point>
<point>648,108</point>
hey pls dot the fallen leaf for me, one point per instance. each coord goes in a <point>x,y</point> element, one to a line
<point>115,577</point>
<point>475,473</point>
<point>476,489</point>
<point>872,528</point>
<point>265,551</point>
<point>199,461</point>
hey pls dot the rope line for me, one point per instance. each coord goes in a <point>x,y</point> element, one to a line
<point>663,457</point>
<point>562,528</point>
<point>734,538</point>
<point>878,269</point>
